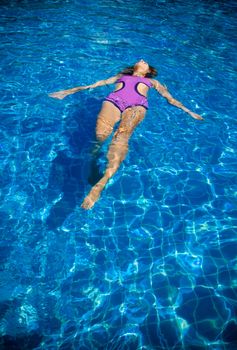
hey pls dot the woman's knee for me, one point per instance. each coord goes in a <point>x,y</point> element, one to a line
<point>101,136</point>
<point>103,129</point>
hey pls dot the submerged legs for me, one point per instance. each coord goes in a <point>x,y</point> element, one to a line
<point>117,152</point>
<point>107,118</point>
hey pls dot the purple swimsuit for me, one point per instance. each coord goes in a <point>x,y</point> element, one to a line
<point>128,95</point>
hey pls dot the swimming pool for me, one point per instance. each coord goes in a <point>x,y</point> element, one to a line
<point>153,265</point>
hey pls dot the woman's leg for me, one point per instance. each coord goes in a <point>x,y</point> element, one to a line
<point>107,118</point>
<point>117,151</point>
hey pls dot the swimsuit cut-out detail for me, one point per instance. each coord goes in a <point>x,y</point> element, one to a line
<point>128,95</point>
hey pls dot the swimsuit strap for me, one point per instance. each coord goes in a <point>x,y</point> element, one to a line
<point>135,79</point>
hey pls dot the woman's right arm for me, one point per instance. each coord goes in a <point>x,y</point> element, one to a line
<point>63,93</point>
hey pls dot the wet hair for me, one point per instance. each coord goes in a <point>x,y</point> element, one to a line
<point>130,70</point>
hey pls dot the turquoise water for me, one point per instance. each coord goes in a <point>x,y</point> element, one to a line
<point>153,265</point>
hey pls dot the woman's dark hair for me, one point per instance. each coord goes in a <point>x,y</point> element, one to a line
<point>130,70</point>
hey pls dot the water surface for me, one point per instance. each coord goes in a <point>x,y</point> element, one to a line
<point>153,265</point>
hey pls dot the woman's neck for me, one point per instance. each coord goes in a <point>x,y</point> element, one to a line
<point>138,74</point>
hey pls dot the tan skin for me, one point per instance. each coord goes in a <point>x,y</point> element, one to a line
<point>129,119</point>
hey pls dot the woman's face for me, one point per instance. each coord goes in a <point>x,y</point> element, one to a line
<point>142,66</point>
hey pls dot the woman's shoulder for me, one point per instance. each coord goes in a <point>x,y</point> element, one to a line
<point>154,82</point>
<point>149,81</point>
<point>122,77</point>
<point>125,75</point>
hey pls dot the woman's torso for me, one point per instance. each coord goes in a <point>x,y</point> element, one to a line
<point>130,91</point>
<point>132,83</point>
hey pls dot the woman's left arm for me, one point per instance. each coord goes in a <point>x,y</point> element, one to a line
<point>163,91</point>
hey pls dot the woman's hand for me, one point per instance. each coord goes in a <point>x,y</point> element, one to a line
<point>59,94</point>
<point>63,93</point>
<point>196,116</point>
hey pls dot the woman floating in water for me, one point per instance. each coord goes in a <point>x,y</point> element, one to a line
<point>127,105</point>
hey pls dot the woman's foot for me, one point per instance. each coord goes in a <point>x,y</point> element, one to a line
<point>93,196</point>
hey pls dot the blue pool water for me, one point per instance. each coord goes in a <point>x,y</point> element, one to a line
<point>154,264</point>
